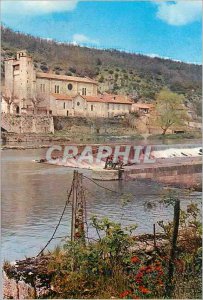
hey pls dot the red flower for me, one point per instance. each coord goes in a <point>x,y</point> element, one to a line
<point>124,294</point>
<point>160,282</point>
<point>135,259</point>
<point>144,290</point>
<point>139,276</point>
<point>158,268</point>
<point>143,268</point>
<point>148,269</point>
<point>138,281</point>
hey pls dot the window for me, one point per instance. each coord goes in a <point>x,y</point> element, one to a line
<point>78,103</point>
<point>16,67</point>
<point>84,91</point>
<point>64,105</point>
<point>42,88</point>
<point>56,89</point>
<point>70,86</point>
<point>92,107</point>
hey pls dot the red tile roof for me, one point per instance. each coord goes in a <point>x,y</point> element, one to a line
<point>65,78</point>
<point>93,99</point>
<point>143,105</point>
<point>62,97</point>
<point>108,98</point>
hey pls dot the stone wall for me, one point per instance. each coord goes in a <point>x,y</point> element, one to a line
<point>187,175</point>
<point>27,124</point>
<point>91,126</point>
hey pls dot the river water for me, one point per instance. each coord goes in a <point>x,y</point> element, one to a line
<point>33,197</point>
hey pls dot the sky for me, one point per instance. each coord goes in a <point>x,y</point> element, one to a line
<point>155,28</point>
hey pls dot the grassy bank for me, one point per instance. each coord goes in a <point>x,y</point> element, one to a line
<point>187,135</point>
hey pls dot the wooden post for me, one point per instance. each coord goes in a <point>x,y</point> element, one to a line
<point>75,173</point>
<point>176,219</point>
<point>154,233</point>
<point>77,222</point>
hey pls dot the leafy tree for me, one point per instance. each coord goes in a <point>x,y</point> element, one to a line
<point>169,110</point>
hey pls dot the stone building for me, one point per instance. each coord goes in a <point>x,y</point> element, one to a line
<point>57,95</point>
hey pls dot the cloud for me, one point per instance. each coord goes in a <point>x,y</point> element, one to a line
<point>179,13</point>
<point>83,39</point>
<point>34,7</point>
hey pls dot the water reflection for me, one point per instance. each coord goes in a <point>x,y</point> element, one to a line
<point>33,197</point>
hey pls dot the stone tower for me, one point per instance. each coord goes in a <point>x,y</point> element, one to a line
<point>20,78</point>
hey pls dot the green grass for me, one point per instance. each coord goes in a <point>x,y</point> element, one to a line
<point>187,135</point>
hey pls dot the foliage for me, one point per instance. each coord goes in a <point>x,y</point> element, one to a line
<point>169,110</point>
<point>107,267</point>
<point>187,135</point>
<point>82,270</point>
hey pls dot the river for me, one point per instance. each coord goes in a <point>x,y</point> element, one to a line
<point>33,197</point>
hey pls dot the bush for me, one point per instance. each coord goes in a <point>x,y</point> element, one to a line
<point>44,68</point>
<point>68,73</point>
<point>57,68</point>
<point>101,79</point>
<point>72,70</point>
<point>109,267</point>
<point>87,268</point>
<point>98,62</point>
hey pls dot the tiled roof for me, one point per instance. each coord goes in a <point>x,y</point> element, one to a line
<point>108,98</point>
<point>62,97</point>
<point>65,78</point>
<point>93,99</point>
<point>142,105</point>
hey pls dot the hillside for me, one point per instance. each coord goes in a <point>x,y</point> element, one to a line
<point>119,72</point>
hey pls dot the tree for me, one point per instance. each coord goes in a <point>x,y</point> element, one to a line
<point>169,110</point>
<point>9,97</point>
<point>36,100</point>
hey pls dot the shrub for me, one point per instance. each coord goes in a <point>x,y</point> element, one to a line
<point>72,69</point>
<point>98,62</point>
<point>57,68</point>
<point>44,68</point>
<point>101,79</point>
<point>68,73</point>
<point>89,267</point>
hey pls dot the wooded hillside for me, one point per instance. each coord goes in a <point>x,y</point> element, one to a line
<point>118,72</point>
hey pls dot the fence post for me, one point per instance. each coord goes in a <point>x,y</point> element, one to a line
<point>176,218</point>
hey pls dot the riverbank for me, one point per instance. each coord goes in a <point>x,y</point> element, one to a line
<point>32,278</point>
<point>37,141</point>
<point>114,266</point>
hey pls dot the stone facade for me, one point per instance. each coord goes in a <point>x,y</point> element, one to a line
<point>58,95</point>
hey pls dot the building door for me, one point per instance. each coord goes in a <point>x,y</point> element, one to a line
<point>17,110</point>
<point>67,112</point>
